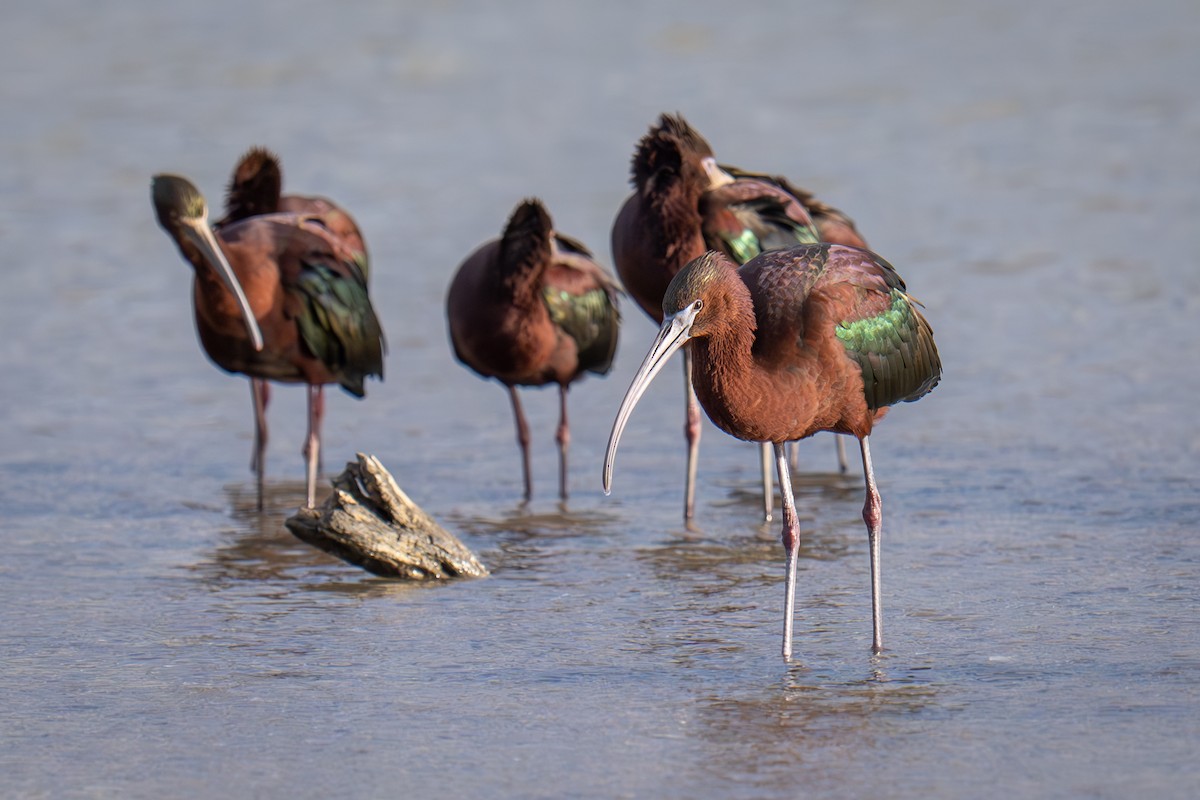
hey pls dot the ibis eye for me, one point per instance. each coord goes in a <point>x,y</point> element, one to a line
<point>699,304</point>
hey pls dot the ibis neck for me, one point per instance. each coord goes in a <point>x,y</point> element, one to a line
<point>723,363</point>
<point>680,236</point>
<point>193,254</point>
<point>214,302</point>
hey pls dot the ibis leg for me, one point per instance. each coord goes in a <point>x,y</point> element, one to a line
<point>768,490</point>
<point>522,440</point>
<point>318,412</point>
<point>260,392</point>
<point>843,465</point>
<point>873,516</point>
<point>312,442</point>
<point>791,544</point>
<point>563,437</point>
<point>691,430</point>
<point>794,455</point>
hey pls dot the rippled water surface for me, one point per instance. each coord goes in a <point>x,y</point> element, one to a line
<point>1031,168</point>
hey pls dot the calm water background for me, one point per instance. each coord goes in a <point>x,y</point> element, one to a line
<point>1031,167</point>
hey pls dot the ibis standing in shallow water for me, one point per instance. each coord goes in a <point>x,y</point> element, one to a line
<point>816,338</point>
<point>277,297</point>
<point>256,188</point>
<point>532,308</point>
<point>685,203</point>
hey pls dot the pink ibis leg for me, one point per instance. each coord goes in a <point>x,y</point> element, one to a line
<point>768,489</point>
<point>260,393</point>
<point>873,516</point>
<point>312,442</point>
<point>691,431</point>
<point>522,440</point>
<point>791,544</point>
<point>563,437</point>
<point>318,412</point>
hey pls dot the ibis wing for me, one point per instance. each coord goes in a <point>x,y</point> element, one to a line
<point>336,319</point>
<point>877,322</point>
<point>884,331</point>
<point>335,220</point>
<point>582,300</point>
<point>751,216</point>
<point>568,244</point>
<point>832,224</point>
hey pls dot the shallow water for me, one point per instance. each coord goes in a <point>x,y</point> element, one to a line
<point>1032,170</point>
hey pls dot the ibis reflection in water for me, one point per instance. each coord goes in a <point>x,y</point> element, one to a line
<point>533,308</point>
<point>278,296</point>
<point>685,203</point>
<point>819,337</point>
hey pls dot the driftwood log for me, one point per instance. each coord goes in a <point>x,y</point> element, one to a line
<point>369,522</point>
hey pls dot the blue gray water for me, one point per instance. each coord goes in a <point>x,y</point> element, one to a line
<point>1032,168</point>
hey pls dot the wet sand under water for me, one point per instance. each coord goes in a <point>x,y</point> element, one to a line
<point>1032,172</point>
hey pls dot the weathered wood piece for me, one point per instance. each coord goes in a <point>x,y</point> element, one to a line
<point>370,523</point>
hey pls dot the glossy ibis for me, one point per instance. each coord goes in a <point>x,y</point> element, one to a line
<point>293,280</point>
<point>815,338</point>
<point>533,308</point>
<point>685,203</point>
<point>254,189</point>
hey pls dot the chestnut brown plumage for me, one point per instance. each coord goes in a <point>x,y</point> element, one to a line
<point>685,203</point>
<point>815,338</point>
<point>305,295</point>
<point>255,188</point>
<point>533,308</point>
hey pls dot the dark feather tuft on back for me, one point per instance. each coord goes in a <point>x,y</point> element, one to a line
<point>665,146</point>
<point>254,187</point>
<point>526,238</point>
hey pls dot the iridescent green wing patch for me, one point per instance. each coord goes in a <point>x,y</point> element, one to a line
<point>766,226</point>
<point>337,322</point>
<point>591,320</point>
<point>744,246</point>
<point>778,229</point>
<point>894,350</point>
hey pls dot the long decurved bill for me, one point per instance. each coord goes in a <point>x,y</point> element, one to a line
<point>201,235</point>
<point>674,333</point>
